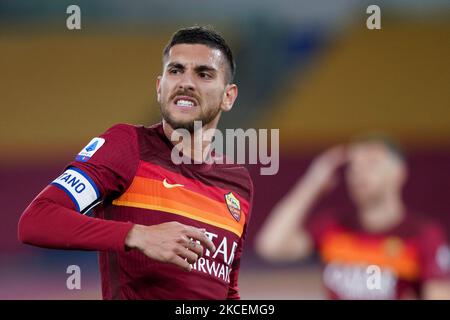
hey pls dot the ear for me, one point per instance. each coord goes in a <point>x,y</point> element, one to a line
<point>229,96</point>
<point>158,88</point>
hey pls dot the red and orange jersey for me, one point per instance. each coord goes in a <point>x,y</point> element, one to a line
<point>388,265</point>
<point>126,176</point>
<point>152,189</point>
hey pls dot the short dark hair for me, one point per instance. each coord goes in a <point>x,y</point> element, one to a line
<point>380,138</point>
<point>206,36</point>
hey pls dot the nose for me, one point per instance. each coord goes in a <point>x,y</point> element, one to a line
<point>186,82</point>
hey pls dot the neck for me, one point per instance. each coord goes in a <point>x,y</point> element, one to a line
<point>383,214</point>
<point>197,144</point>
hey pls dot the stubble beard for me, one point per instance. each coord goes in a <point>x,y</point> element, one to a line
<point>204,117</point>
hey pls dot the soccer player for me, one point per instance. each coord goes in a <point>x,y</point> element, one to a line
<point>387,252</point>
<point>163,231</point>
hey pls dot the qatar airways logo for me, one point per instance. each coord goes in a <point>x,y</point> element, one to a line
<point>242,147</point>
<point>218,264</point>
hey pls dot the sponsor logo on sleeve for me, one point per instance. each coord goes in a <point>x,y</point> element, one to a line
<point>92,147</point>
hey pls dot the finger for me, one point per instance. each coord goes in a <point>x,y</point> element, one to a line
<point>185,253</point>
<point>342,156</point>
<point>336,153</point>
<point>194,246</point>
<point>336,156</point>
<point>200,235</point>
<point>180,262</point>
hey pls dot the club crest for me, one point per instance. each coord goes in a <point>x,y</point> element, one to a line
<point>234,206</point>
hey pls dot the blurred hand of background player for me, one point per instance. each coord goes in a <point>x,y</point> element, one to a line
<point>282,236</point>
<point>322,173</point>
<point>170,242</point>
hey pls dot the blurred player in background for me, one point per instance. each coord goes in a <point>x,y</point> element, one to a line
<point>386,253</point>
<point>164,231</point>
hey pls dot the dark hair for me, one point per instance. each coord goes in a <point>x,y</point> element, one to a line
<point>206,36</point>
<point>379,138</point>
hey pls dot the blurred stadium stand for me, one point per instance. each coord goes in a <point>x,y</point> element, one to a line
<point>310,68</point>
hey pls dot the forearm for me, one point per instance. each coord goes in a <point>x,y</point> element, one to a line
<point>436,290</point>
<point>289,215</point>
<point>50,224</point>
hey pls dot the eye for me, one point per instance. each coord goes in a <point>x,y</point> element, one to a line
<point>205,75</point>
<point>174,71</point>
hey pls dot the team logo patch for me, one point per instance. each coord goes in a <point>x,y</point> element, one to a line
<point>234,206</point>
<point>91,148</point>
<point>79,187</point>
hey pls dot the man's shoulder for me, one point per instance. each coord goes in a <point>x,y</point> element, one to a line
<point>223,162</point>
<point>429,229</point>
<point>420,228</point>
<point>121,132</point>
<point>232,167</point>
<point>234,172</point>
<point>122,128</point>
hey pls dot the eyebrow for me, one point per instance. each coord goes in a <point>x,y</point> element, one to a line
<point>200,68</point>
<point>176,65</point>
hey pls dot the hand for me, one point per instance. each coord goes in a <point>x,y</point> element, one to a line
<point>170,242</point>
<point>321,175</point>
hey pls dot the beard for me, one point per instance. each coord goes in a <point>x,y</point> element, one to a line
<point>204,117</point>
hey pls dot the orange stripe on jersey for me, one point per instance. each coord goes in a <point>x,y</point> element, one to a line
<point>153,171</point>
<point>151,194</point>
<point>388,252</point>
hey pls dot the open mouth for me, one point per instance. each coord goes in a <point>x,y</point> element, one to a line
<point>185,102</point>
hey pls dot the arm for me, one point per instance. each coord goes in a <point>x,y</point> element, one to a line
<point>105,167</point>
<point>435,260</point>
<point>53,219</point>
<point>436,290</point>
<point>283,236</point>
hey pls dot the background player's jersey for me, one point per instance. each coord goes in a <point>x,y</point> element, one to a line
<point>389,265</point>
<point>129,173</point>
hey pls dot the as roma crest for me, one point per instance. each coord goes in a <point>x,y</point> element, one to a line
<point>234,206</point>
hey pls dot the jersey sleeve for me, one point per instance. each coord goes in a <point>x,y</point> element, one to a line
<point>434,253</point>
<point>233,288</point>
<point>104,168</point>
<point>108,163</point>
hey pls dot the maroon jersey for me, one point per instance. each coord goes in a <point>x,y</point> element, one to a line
<point>125,177</point>
<point>388,265</point>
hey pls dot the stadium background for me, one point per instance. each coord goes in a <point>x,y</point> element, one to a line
<point>310,68</point>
